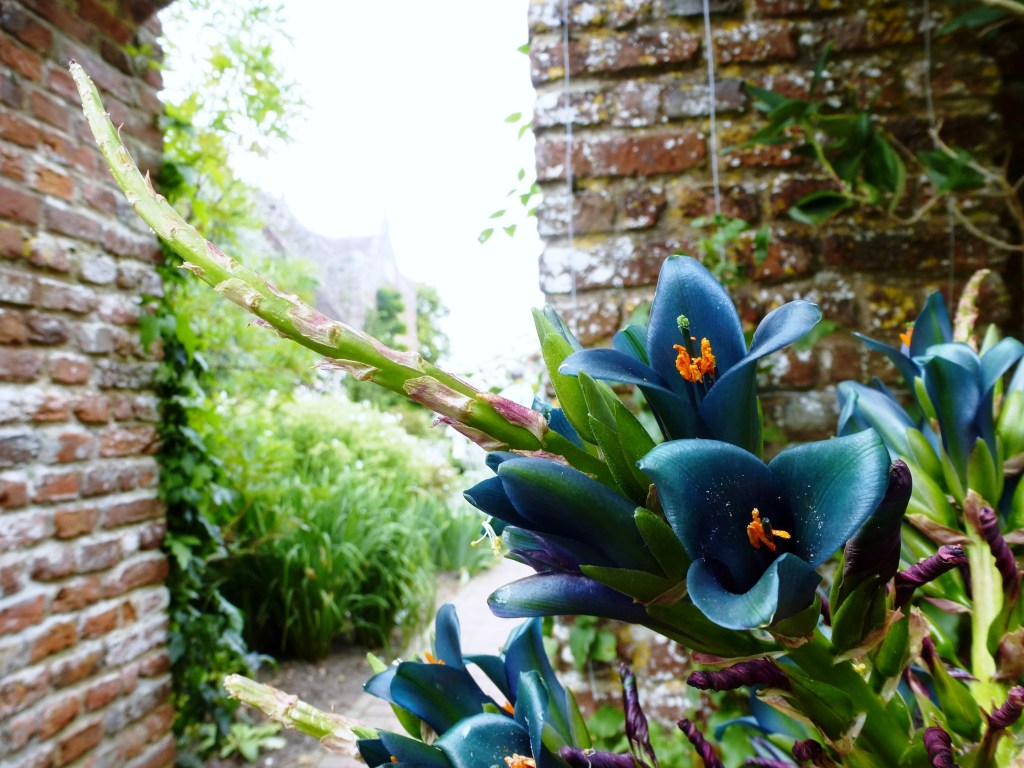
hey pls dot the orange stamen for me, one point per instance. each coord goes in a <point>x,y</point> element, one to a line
<point>759,532</point>
<point>907,336</point>
<point>507,706</point>
<point>431,659</point>
<point>695,369</point>
<point>520,761</point>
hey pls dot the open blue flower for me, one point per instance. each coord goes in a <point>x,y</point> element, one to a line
<point>473,728</point>
<point>956,388</point>
<point>931,327</point>
<point>756,531</point>
<point>691,361</point>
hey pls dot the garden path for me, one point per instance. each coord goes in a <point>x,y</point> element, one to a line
<point>336,683</point>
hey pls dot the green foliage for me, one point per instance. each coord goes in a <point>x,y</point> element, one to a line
<point>384,322</point>
<point>344,520</point>
<point>201,129</point>
<point>723,248</point>
<point>431,342</point>
<point>852,148</point>
<point>588,642</point>
<point>247,740</point>
<point>205,635</point>
<point>524,196</point>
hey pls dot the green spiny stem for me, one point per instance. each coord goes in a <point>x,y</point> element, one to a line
<point>335,732</point>
<point>492,421</point>
<point>987,600</point>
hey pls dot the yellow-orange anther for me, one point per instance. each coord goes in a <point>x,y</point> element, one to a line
<point>431,659</point>
<point>520,761</point>
<point>761,532</point>
<point>507,706</point>
<point>695,369</point>
<point>907,336</point>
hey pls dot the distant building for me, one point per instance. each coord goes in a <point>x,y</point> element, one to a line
<point>350,269</point>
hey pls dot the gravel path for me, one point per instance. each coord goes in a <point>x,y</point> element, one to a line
<point>335,683</point>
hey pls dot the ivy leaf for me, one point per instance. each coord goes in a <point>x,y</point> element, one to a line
<point>819,207</point>
<point>951,172</point>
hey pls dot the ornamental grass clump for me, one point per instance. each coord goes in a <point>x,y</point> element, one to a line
<point>876,661</point>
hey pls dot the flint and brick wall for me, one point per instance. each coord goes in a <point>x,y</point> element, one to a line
<point>83,626</point>
<point>637,97</point>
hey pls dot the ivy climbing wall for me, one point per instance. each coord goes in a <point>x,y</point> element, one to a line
<point>83,627</point>
<point>635,104</point>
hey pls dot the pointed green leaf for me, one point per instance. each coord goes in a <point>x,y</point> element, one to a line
<point>982,474</point>
<point>641,586</point>
<point>818,207</point>
<point>961,711</point>
<point>664,545</point>
<point>555,349</point>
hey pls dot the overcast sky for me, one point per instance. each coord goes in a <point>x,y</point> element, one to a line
<point>406,121</point>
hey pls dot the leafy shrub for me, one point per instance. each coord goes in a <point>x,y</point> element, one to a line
<point>340,524</point>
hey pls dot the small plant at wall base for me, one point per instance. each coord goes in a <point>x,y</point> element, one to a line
<point>699,539</point>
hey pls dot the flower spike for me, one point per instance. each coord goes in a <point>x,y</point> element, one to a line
<point>948,557</point>
<point>1006,563</point>
<point>637,732</point>
<point>1009,713</point>
<point>703,747</point>
<point>939,747</point>
<point>757,672</point>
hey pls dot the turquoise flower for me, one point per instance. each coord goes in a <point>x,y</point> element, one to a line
<point>537,717</point>
<point>756,532</point>
<point>691,360</point>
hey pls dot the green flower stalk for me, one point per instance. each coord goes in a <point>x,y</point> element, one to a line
<point>491,421</point>
<point>336,732</point>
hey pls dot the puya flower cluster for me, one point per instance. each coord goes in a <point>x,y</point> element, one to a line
<point>691,533</point>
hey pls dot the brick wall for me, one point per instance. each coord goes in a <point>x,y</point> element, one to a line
<point>83,663</point>
<point>638,100</point>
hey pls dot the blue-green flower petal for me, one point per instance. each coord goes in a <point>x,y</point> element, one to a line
<point>708,490</point>
<point>932,326</point>
<point>437,694</point>
<point>612,365</point>
<point>832,488</point>
<point>998,360</point>
<point>560,500</point>
<point>864,407</point>
<point>447,642</point>
<point>412,752</point>
<point>785,588</point>
<point>532,713</point>
<point>953,379</point>
<point>729,409</point>
<point>490,498</point>
<point>686,287</point>
<point>563,594</point>
<point>494,668</point>
<point>483,741</point>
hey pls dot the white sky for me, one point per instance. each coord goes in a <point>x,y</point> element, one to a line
<point>407,106</point>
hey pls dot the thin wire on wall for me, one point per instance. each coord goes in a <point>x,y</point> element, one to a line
<point>570,197</point>
<point>709,54</point>
<point>929,104</point>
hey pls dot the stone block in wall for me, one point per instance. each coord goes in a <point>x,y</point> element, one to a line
<point>664,152</point>
<point>641,48</point>
<point>75,261</point>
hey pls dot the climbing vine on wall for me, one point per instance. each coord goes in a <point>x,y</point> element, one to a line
<point>202,129</point>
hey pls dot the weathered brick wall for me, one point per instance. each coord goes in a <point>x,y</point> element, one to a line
<point>638,99</point>
<point>83,626</point>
